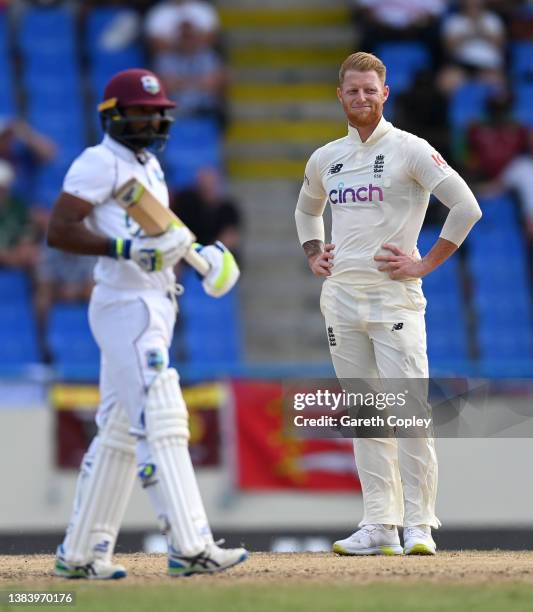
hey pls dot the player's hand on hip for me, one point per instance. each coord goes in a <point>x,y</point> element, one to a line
<point>224,272</point>
<point>322,263</point>
<point>157,253</point>
<point>400,265</point>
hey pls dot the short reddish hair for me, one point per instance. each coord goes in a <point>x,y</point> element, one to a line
<point>363,62</point>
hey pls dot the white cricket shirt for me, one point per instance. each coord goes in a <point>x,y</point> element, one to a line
<point>378,192</point>
<point>95,176</point>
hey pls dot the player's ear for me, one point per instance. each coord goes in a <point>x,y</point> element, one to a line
<point>339,94</point>
<point>386,92</point>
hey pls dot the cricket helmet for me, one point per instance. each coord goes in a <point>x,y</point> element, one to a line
<point>135,87</point>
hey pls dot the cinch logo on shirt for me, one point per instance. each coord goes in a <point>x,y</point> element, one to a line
<point>356,194</point>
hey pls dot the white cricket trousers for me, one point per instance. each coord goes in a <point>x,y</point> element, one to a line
<point>379,332</point>
<point>134,332</point>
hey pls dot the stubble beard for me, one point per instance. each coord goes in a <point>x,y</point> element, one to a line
<point>366,119</point>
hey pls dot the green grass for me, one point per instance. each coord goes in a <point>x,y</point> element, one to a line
<point>378,597</point>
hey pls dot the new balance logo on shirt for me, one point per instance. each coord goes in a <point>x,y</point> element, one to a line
<point>331,337</point>
<point>335,168</point>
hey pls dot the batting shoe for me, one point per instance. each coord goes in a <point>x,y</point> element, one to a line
<point>212,559</point>
<point>370,540</point>
<point>418,541</point>
<point>95,570</point>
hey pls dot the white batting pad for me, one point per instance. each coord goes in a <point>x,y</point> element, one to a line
<point>168,435</point>
<point>104,488</point>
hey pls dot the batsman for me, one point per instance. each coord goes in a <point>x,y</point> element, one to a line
<point>377,181</point>
<point>142,418</point>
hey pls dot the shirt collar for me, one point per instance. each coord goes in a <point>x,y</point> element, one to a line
<point>118,148</point>
<point>381,129</point>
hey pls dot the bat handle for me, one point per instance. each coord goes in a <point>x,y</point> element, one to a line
<point>196,261</point>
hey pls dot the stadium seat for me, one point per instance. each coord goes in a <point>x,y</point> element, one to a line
<point>14,285</point>
<point>69,336</point>
<point>210,327</point>
<point>445,316</point>
<point>403,61</point>
<point>468,104</point>
<point>18,340</point>
<point>194,144</point>
<point>47,32</point>
<point>7,99</point>
<point>523,107</point>
<point>105,61</point>
<point>522,60</point>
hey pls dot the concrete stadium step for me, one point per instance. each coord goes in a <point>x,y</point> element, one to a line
<point>266,169</point>
<point>290,73</point>
<point>329,36</point>
<point>303,131</point>
<point>301,5</point>
<point>276,93</point>
<point>287,16</point>
<point>294,150</point>
<point>294,111</point>
<point>260,54</point>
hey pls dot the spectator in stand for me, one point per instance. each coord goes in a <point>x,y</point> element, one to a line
<point>193,74</point>
<point>492,144</point>
<point>474,43</point>
<point>423,110</point>
<point>394,20</point>
<point>518,178</point>
<point>26,150</point>
<point>18,237</point>
<point>60,277</point>
<point>165,18</point>
<point>209,212</point>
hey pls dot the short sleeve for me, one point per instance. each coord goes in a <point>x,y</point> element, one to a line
<point>312,184</point>
<point>426,165</point>
<point>91,176</point>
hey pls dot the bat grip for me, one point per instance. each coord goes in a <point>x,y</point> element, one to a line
<point>196,261</point>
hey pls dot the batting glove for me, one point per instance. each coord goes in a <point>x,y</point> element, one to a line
<point>224,272</point>
<point>157,253</point>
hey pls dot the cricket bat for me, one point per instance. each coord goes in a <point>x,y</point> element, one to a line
<point>155,219</point>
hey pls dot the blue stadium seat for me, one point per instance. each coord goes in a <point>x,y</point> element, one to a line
<point>522,60</point>
<point>194,144</point>
<point>47,32</point>
<point>69,336</point>
<point>106,62</point>
<point>7,98</point>
<point>501,292</point>
<point>403,61</point>
<point>468,104</point>
<point>445,316</point>
<point>210,327</point>
<point>14,285</point>
<point>523,107</point>
<point>18,340</point>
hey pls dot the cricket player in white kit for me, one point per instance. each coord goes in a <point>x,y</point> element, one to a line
<point>377,181</point>
<point>142,419</point>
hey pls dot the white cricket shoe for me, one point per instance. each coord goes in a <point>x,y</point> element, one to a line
<point>212,559</point>
<point>95,570</point>
<point>418,541</point>
<point>370,540</point>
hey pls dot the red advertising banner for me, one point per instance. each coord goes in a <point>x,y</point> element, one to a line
<point>266,459</point>
<point>75,407</point>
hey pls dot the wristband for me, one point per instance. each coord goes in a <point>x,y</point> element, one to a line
<point>120,248</point>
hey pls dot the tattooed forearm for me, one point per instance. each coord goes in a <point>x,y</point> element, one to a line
<point>313,247</point>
